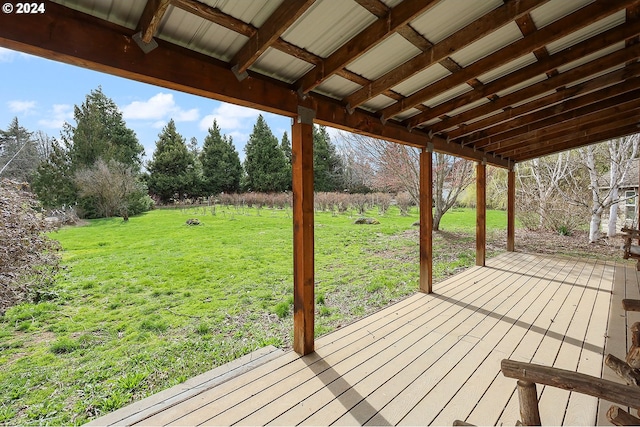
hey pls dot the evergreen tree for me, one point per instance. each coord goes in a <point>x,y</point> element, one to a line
<point>265,163</point>
<point>101,133</point>
<point>285,146</point>
<point>327,165</point>
<point>19,155</point>
<point>221,168</point>
<point>172,169</point>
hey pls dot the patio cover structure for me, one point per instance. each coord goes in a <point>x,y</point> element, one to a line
<point>497,82</point>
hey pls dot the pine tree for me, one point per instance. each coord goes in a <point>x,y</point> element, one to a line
<point>19,155</point>
<point>221,168</point>
<point>101,133</point>
<point>285,146</point>
<point>327,165</point>
<point>265,163</point>
<point>171,171</point>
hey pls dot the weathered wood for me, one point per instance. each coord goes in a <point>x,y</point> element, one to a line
<point>630,304</point>
<point>528,398</point>
<point>623,370</point>
<point>619,417</point>
<point>151,17</point>
<point>303,244</point>
<point>511,210</point>
<point>481,213</point>
<point>633,355</point>
<point>426,221</point>
<point>625,395</point>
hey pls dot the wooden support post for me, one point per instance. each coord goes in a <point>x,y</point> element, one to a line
<point>511,210</point>
<point>426,220</point>
<point>481,213</point>
<point>528,397</point>
<point>303,257</point>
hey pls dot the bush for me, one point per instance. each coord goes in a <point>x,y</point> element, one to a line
<point>29,259</point>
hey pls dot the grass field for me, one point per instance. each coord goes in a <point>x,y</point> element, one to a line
<point>145,304</point>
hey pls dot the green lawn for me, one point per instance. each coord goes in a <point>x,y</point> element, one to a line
<point>146,304</point>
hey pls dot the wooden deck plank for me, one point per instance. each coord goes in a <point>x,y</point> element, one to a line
<point>461,406</point>
<point>385,322</point>
<point>430,359</point>
<point>616,338</point>
<point>431,404</point>
<point>398,351</point>
<point>521,344</point>
<point>582,409</point>
<point>553,401</point>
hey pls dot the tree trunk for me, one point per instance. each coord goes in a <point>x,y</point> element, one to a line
<point>613,216</point>
<point>594,225</point>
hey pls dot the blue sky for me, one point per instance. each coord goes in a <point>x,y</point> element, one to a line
<point>42,93</point>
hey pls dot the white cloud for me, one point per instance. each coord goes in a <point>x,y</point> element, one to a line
<point>58,115</point>
<point>21,107</point>
<point>231,118</point>
<point>160,107</point>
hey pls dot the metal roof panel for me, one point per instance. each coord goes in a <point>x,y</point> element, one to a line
<point>587,32</point>
<point>337,87</point>
<point>487,45</point>
<point>422,79</point>
<point>554,10</point>
<point>327,25</point>
<point>390,53</point>
<point>281,66</point>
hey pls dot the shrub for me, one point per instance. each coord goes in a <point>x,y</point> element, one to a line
<point>29,259</point>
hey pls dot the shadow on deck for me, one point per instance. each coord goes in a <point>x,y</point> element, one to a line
<point>428,359</point>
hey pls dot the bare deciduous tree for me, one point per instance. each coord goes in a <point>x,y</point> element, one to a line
<point>396,169</point>
<point>111,184</point>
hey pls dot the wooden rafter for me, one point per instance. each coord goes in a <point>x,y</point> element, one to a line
<point>48,35</point>
<point>268,33</point>
<point>580,50</point>
<point>472,32</point>
<point>151,17</point>
<point>535,40</point>
<point>565,93</point>
<point>552,83</point>
<point>363,42</point>
<point>577,140</point>
<point>216,16</point>
<point>569,109</point>
<point>567,120</point>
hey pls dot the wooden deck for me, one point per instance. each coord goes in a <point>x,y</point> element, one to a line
<point>429,359</point>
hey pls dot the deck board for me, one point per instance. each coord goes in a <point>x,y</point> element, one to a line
<point>431,359</point>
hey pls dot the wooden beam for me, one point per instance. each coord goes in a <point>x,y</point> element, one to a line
<point>481,213</point>
<point>596,102</point>
<point>621,394</point>
<point>626,109</point>
<point>363,42</point>
<point>375,7</point>
<point>285,15</point>
<point>551,83</point>
<point>66,35</point>
<point>472,32</point>
<point>216,16</point>
<point>426,220</point>
<point>540,38</point>
<point>609,79</point>
<point>151,17</point>
<point>303,251</point>
<point>511,210</point>
<point>540,149</point>
<point>539,67</point>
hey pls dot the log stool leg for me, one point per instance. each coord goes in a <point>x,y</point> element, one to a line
<point>528,397</point>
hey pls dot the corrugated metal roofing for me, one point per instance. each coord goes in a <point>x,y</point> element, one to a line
<point>400,78</point>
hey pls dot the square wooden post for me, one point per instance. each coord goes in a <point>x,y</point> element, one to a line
<point>481,213</point>
<point>426,220</point>
<point>511,210</point>
<point>303,257</point>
